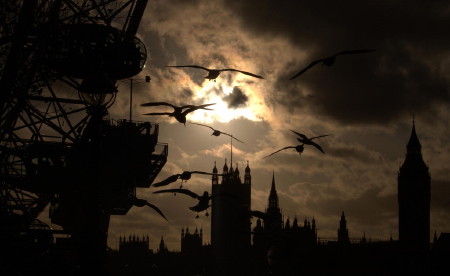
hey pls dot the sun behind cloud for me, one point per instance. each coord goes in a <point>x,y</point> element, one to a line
<point>245,104</point>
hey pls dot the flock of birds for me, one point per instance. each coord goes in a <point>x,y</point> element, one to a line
<point>180,113</point>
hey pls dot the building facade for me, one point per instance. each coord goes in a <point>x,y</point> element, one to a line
<point>230,221</point>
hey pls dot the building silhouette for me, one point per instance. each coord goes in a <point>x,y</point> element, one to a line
<point>191,244</point>
<point>414,198</point>
<point>277,244</point>
<point>134,245</point>
<point>230,221</point>
<point>342,232</point>
<point>162,249</point>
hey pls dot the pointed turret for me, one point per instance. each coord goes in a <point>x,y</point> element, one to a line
<point>225,167</point>
<point>215,177</point>
<point>247,177</point>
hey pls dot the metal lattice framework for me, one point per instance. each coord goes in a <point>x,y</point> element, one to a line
<point>60,60</point>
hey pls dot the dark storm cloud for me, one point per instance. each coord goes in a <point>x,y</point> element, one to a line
<point>236,99</point>
<point>407,72</point>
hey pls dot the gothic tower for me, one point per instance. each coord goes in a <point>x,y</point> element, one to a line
<point>230,221</point>
<point>414,198</point>
<point>274,221</point>
<point>343,237</point>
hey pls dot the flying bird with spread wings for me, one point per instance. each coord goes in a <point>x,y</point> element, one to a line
<point>185,176</point>
<point>214,73</point>
<point>308,141</point>
<point>203,200</point>
<point>218,132</point>
<point>329,61</point>
<point>178,112</point>
<point>142,202</point>
<point>298,148</point>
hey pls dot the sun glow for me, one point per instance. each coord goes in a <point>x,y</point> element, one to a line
<point>214,92</point>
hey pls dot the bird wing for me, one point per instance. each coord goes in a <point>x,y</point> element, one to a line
<point>237,139</point>
<point>288,147</point>
<point>142,202</point>
<point>243,72</point>
<point>192,66</point>
<point>181,191</point>
<point>360,51</point>
<point>258,214</point>
<point>167,181</point>
<point>201,206</point>
<point>317,146</point>
<point>232,137</point>
<point>203,106</point>
<point>192,106</point>
<point>156,209</point>
<point>319,136</point>
<point>307,68</point>
<point>159,113</point>
<point>200,172</point>
<point>203,125</point>
<point>300,134</point>
<point>157,103</point>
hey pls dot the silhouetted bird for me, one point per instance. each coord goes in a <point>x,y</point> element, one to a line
<point>203,200</point>
<point>178,112</point>
<point>329,61</point>
<point>298,148</point>
<point>141,202</point>
<point>258,214</point>
<point>214,73</point>
<point>308,141</point>
<point>186,175</point>
<point>218,132</point>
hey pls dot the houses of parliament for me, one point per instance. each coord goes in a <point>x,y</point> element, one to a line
<point>278,246</point>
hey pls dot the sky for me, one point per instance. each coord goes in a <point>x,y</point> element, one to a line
<point>366,101</point>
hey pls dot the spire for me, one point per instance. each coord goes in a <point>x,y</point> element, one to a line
<point>414,144</point>
<point>236,171</point>
<point>273,196</point>
<point>225,167</point>
<point>215,168</point>
<point>248,176</point>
